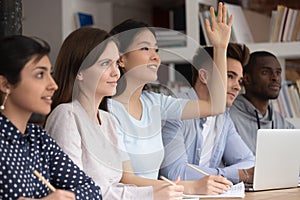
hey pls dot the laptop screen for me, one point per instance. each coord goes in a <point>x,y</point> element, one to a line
<point>277,159</point>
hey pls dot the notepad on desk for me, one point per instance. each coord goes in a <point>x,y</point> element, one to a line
<point>235,191</point>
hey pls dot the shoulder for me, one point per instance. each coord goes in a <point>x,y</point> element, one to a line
<point>281,122</point>
<point>38,134</point>
<point>158,98</point>
<point>61,109</point>
<point>106,116</point>
<point>65,110</point>
<point>62,118</point>
<point>152,96</point>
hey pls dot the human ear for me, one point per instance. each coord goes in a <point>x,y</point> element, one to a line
<point>246,79</point>
<point>121,62</point>
<point>4,84</point>
<point>79,76</point>
<point>203,76</point>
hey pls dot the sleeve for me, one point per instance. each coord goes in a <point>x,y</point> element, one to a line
<point>176,155</point>
<point>236,155</point>
<point>126,191</point>
<point>171,107</point>
<point>65,174</point>
<point>120,142</point>
<point>61,126</point>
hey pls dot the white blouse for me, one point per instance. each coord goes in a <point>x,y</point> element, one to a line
<point>94,148</point>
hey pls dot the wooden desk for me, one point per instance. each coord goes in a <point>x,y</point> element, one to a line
<point>284,194</point>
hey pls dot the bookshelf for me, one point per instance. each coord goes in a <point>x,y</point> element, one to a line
<point>283,50</point>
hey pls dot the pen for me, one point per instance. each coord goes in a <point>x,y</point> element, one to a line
<point>198,170</point>
<point>44,181</point>
<point>167,180</point>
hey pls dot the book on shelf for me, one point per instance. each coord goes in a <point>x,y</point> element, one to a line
<point>277,23</point>
<point>282,24</point>
<point>292,24</point>
<point>259,25</point>
<point>288,101</point>
<point>298,86</point>
<point>296,28</point>
<point>286,23</point>
<point>202,16</point>
<point>240,28</point>
<point>272,25</point>
<point>204,13</point>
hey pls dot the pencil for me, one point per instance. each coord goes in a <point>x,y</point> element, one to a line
<point>167,180</point>
<point>44,181</point>
<point>198,170</point>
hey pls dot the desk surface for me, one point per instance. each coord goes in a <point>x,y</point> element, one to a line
<point>284,194</point>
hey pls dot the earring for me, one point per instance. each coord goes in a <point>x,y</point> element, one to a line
<point>2,107</point>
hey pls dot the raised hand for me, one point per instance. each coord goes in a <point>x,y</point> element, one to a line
<point>219,32</point>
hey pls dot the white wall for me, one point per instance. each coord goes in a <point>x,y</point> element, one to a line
<point>54,20</point>
<point>42,18</point>
<point>102,14</point>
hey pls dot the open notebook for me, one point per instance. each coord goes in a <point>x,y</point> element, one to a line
<point>235,191</point>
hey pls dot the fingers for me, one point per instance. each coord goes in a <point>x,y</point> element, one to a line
<point>224,14</point>
<point>177,191</point>
<point>207,26</point>
<point>173,192</point>
<point>230,20</point>
<point>217,184</point>
<point>212,14</point>
<point>177,180</point>
<point>223,180</point>
<point>220,14</point>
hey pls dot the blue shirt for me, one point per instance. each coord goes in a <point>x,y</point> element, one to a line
<point>142,138</point>
<point>183,144</point>
<point>20,154</point>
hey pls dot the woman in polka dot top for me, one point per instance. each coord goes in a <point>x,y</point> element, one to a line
<point>27,87</point>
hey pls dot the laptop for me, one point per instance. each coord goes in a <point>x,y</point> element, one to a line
<point>277,160</point>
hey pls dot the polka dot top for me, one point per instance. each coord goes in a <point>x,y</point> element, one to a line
<point>20,154</point>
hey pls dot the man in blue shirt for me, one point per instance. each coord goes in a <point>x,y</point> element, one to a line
<point>211,144</point>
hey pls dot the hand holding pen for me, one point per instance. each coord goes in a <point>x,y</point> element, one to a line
<point>210,184</point>
<point>55,194</point>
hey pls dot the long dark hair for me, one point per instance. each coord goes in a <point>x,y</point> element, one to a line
<point>80,44</point>
<point>16,51</point>
<point>125,33</point>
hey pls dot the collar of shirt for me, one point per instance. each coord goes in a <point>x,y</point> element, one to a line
<point>11,133</point>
